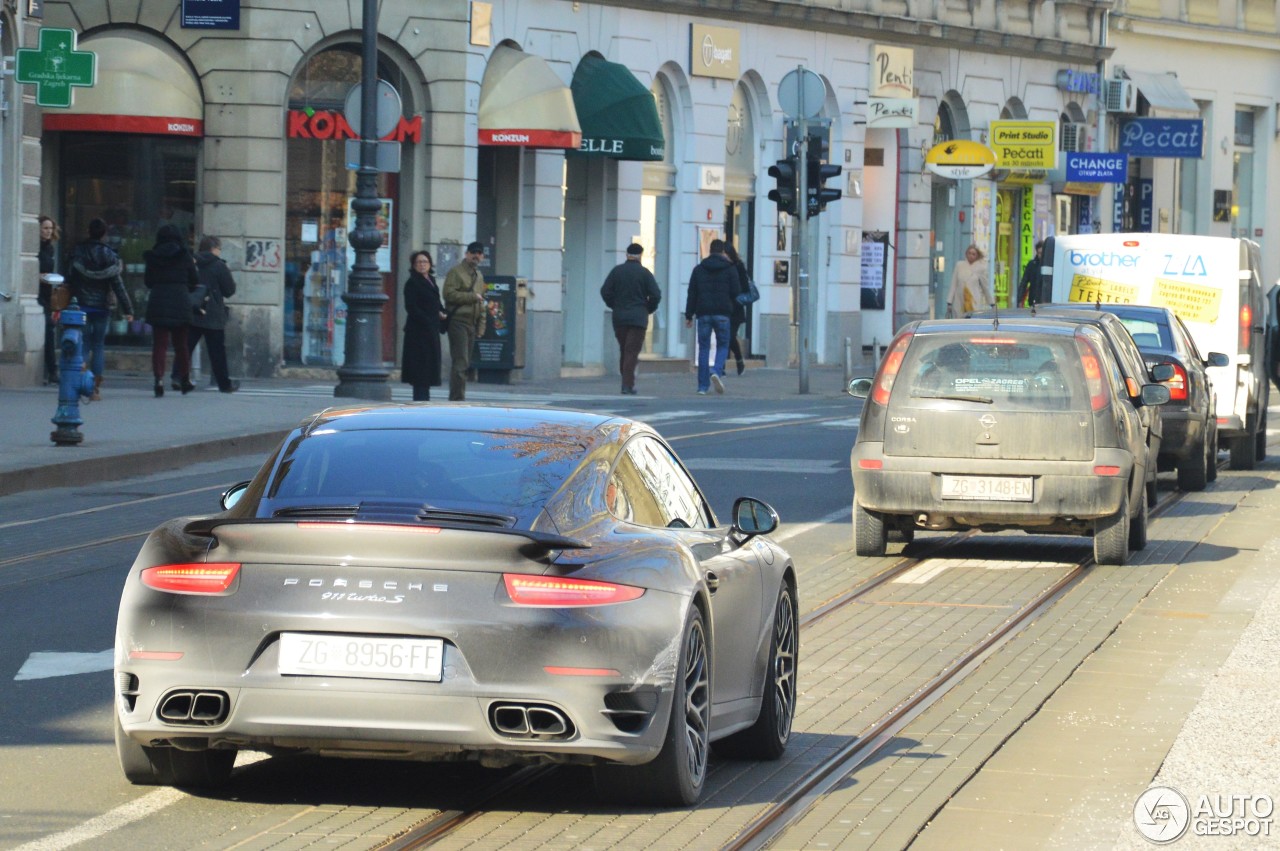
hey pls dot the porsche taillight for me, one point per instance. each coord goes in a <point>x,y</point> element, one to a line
<point>883,385</point>
<point>1178,384</point>
<point>1095,381</point>
<point>211,578</point>
<point>562,591</point>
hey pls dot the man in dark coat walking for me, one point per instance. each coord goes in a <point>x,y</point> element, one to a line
<point>94,276</point>
<point>209,317</point>
<point>631,292</point>
<point>713,286</point>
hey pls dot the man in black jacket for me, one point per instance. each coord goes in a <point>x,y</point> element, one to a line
<point>631,292</point>
<point>93,273</point>
<point>713,286</point>
<point>209,316</point>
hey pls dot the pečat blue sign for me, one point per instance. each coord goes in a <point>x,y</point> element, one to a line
<point>1162,137</point>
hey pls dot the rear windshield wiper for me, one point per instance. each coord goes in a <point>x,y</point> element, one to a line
<point>955,397</point>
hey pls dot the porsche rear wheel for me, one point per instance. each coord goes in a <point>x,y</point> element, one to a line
<point>144,766</point>
<point>676,776</point>
<point>1111,536</point>
<point>768,737</point>
<point>870,537</point>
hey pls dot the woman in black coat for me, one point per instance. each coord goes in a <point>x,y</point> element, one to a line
<point>170,274</point>
<point>420,363</point>
<point>739,315</point>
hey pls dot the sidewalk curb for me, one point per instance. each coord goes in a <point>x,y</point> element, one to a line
<point>156,460</point>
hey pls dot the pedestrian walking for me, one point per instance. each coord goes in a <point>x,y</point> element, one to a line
<point>170,274</point>
<point>632,293</point>
<point>47,257</point>
<point>969,288</point>
<point>712,288</point>
<point>739,316</point>
<point>424,313</point>
<point>209,313</point>
<point>1031,284</point>
<point>464,300</point>
<point>93,276</point>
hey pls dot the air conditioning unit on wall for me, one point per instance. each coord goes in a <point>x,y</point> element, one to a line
<point>1120,96</point>
<point>1075,137</point>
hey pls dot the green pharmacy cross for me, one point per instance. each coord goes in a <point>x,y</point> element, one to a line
<point>56,67</point>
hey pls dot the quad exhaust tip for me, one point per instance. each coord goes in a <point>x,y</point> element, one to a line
<point>195,708</point>
<point>533,721</point>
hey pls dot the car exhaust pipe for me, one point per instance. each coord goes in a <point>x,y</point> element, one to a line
<point>198,708</point>
<point>529,721</point>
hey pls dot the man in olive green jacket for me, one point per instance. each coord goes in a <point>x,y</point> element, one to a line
<point>463,295</point>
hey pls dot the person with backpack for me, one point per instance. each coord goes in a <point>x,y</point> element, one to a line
<point>714,286</point>
<point>209,313</point>
<point>632,293</point>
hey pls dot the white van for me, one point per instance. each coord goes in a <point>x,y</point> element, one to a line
<point>1213,283</point>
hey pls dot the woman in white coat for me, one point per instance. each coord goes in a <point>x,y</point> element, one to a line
<point>970,289</point>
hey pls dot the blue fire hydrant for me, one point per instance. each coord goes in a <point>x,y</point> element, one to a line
<point>74,380</point>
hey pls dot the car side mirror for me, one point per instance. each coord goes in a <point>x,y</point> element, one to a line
<point>859,388</point>
<point>1155,394</point>
<point>1162,371</point>
<point>233,494</point>
<point>753,517</point>
<point>1217,359</point>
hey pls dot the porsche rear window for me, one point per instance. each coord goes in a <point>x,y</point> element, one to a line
<point>1032,372</point>
<point>497,470</point>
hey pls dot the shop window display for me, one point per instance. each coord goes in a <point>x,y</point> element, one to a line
<point>135,184</point>
<point>319,217</point>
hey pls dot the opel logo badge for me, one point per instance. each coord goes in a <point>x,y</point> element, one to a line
<point>987,420</point>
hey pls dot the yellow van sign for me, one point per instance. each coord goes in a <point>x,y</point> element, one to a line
<point>1025,144</point>
<point>1087,288</point>
<point>1192,302</point>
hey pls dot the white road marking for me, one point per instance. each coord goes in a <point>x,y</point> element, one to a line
<point>668,416</point>
<point>922,573</point>
<point>125,814</point>
<point>852,423</point>
<point>845,514</point>
<point>753,419</point>
<point>761,465</point>
<point>43,665</point>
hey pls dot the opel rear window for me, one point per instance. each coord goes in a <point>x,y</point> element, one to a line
<point>1006,370</point>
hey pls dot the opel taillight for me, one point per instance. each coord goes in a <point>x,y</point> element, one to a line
<point>1178,384</point>
<point>883,385</point>
<point>560,591</point>
<point>1246,324</point>
<point>211,578</point>
<point>1095,381</point>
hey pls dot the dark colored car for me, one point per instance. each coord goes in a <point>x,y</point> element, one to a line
<point>462,583</point>
<point>1132,365</point>
<point>1189,443</point>
<point>1022,423</point>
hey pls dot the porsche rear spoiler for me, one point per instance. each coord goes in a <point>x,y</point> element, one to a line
<point>544,540</point>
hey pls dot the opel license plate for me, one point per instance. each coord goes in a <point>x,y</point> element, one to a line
<point>992,488</point>
<point>376,657</point>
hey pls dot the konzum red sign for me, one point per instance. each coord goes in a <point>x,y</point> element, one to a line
<point>326,124</point>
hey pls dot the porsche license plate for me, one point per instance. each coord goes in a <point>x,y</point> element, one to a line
<point>361,656</point>
<point>993,488</point>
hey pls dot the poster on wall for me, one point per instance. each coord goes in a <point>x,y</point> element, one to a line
<point>982,233</point>
<point>875,267</point>
<point>383,223</point>
<point>705,235</point>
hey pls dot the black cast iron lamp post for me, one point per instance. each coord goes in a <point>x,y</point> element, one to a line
<point>362,374</point>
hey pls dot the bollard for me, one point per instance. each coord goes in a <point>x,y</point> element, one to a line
<point>74,380</point>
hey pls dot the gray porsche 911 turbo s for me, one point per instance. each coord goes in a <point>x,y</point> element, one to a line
<point>462,583</point>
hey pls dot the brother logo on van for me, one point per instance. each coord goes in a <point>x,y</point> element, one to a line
<point>1106,260</point>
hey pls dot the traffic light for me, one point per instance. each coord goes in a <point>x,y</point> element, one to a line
<point>784,171</point>
<point>819,173</point>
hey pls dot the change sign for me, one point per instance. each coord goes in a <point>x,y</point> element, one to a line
<point>1097,168</point>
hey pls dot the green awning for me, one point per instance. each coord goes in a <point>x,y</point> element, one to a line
<point>619,116</point>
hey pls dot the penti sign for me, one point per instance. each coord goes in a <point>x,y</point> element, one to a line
<point>56,66</point>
